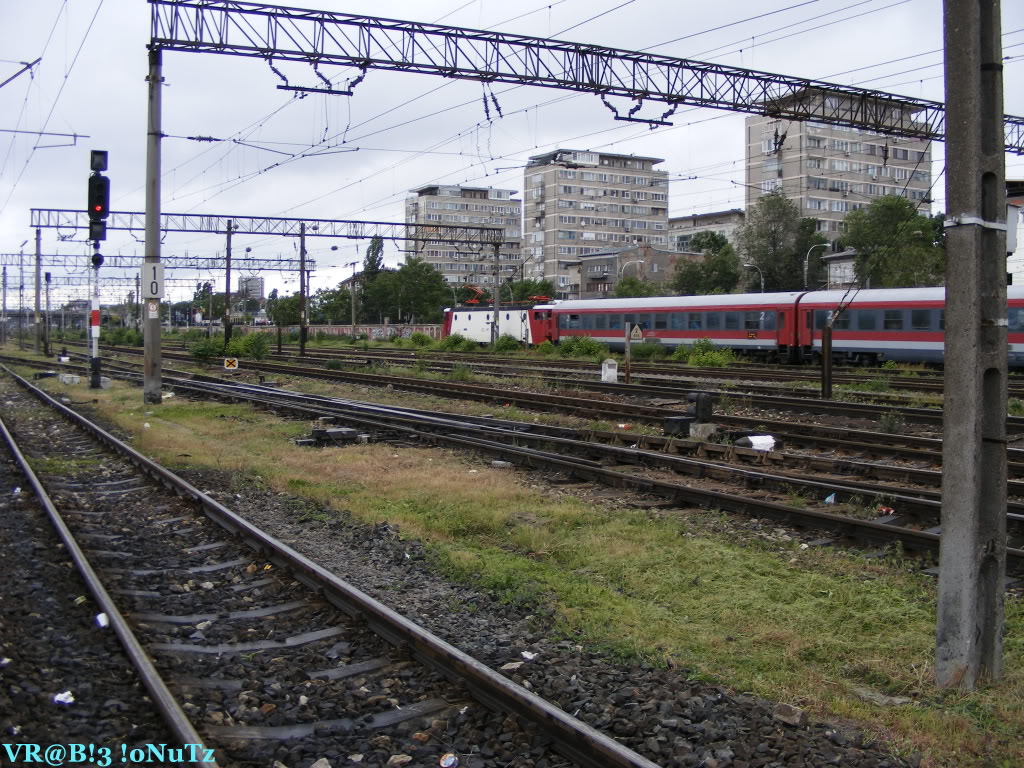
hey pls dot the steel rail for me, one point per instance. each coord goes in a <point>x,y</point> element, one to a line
<point>909,501</point>
<point>909,447</point>
<point>575,740</point>
<point>841,525</point>
<point>173,715</point>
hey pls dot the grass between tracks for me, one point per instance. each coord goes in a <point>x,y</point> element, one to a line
<point>819,628</point>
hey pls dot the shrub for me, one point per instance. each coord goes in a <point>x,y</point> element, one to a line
<point>320,337</point>
<point>193,334</point>
<point>333,365</point>
<point>256,346</point>
<point>716,358</point>
<point>398,341</point>
<point>205,348</point>
<point>648,351</point>
<point>421,340</point>
<point>893,422</point>
<point>123,337</point>
<point>546,347</point>
<point>582,346</point>
<point>457,343</point>
<point>461,372</point>
<point>506,344</point>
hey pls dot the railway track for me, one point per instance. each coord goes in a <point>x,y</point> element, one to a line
<point>542,447</point>
<point>852,449</point>
<point>264,652</point>
<point>639,412</point>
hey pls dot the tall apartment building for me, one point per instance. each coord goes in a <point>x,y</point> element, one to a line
<point>829,171</point>
<point>577,203</point>
<point>470,206</point>
<point>250,288</point>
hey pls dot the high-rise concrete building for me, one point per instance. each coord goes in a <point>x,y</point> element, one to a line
<point>579,202</point>
<point>829,171</point>
<point>250,288</point>
<point>470,206</point>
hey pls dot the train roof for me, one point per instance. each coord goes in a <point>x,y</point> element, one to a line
<point>867,295</point>
<point>670,302</point>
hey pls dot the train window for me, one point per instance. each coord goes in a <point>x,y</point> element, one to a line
<point>714,321</point>
<point>1015,319</point>
<point>660,321</point>
<point>629,320</point>
<point>615,322</point>
<point>645,321</point>
<point>782,320</point>
<point>563,322</point>
<point>695,321</point>
<point>842,322</point>
<point>942,319</point>
<point>732,321</point>
<point>507,317</point>
<point>894,320</point>
<point>920,319</point>
<point>455,317</point>
<point>867,320</point>
<point>751,321</point>
<point>587,322</point>
<point>807,317</point>
<point>574,321</point>
<point>601,322</point>
<point>820,318</point>
<point>487,318</point>
<point>538,315</point>
<point>677,321</point>
<point>768,321</point>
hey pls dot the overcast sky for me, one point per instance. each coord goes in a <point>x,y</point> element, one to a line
<point>411,130</point>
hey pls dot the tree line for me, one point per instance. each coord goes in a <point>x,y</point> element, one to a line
<point>896,247</point>
<point>415,292</point>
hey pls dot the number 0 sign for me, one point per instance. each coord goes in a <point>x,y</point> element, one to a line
<point>152,281</point>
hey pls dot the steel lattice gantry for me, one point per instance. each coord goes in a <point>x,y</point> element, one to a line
<point>320,37</point>
<point>51,218</point>
<point>79,261</point>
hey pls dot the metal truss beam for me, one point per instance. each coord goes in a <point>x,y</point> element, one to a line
<point>112,282</point>
<point>78,261</point>
<point>320,37</point>
<point>135,221</point>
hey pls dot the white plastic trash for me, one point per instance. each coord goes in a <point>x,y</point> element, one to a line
<point>762,442</point>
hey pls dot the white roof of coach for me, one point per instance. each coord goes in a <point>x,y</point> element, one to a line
<point>667,302</point>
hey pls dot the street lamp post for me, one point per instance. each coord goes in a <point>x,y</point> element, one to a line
<point>759,272</point>
<point>807,260</point>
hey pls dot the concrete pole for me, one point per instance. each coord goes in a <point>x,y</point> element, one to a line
<point>495,326</point>
<point>302,289</point>
<point>3,320</point>
<point>972,560</point>
<point>152,374</point>
<point>227,288</point>
<point>21,302</point>
<point>39,290</point>
<point>138,301</point>
<point>46,333</point>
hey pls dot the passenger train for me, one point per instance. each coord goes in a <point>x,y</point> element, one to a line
<point>900,324</point>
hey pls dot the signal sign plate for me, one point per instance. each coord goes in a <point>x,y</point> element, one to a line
<point>152,277</point>
<point>231,363</point>
<point>153,310</point>
<point>637,333</point>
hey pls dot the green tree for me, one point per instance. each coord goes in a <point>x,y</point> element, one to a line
<point>283,311</point>
<point>415,292</point>
<point>769,240</point>
<point>329,306</point>
<point>718,272</point>
<point>522,290</point>
<point>631,287</point>
<point>897,247</point>
<point>373,262</point>
<point>201,299</point>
